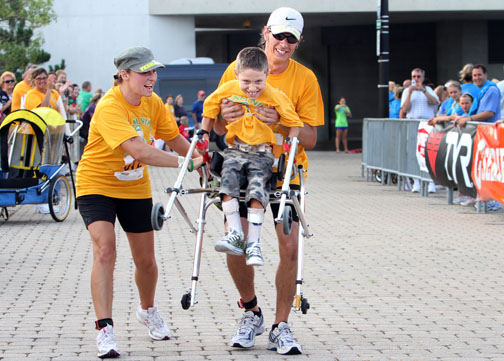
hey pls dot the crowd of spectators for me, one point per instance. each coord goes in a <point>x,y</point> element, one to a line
<point>472,98</point>
<point>476,85</point>
<point>40,88</point>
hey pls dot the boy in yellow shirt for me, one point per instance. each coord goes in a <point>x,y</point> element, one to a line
<point>250,143</point>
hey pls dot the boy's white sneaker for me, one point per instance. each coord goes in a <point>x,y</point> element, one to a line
<point>254,254</point>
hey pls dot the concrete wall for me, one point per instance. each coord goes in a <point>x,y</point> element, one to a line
<point>88,34</point>
<point>459,43</point>
<point>195,7</point>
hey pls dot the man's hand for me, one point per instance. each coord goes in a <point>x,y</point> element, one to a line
<point>268,115</point>
<point>230,111</point>
<point>461,121</point>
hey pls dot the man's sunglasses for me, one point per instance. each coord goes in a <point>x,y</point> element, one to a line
<point>9,81</point>
<point>291,39</point>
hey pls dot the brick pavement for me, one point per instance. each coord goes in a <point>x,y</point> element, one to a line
<point>389,275</point>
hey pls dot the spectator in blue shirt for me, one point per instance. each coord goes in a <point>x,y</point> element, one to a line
<point>395,104</point>
<point>197,109</point>
<point>467,83</point>
<point>486,106</point>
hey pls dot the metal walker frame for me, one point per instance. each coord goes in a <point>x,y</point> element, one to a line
<point>282,196</point>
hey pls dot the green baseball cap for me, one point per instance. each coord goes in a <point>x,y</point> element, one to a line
<point>138,59</point>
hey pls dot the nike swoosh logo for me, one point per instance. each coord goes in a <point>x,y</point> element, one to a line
<point>289,19</point>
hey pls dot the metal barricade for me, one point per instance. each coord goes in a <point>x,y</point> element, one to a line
<point>389,145</point>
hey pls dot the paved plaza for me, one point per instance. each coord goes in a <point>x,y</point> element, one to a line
<point>389,275</point>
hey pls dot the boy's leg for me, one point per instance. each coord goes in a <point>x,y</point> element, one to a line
<point>259,176</point>
<point>255,218</point>
<point>233,241</point>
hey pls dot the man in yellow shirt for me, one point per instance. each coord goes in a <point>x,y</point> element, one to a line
<point>250,142</point>
<point>281,37</point>
<point>23,87</point>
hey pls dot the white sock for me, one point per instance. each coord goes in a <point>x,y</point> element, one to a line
<point>231,210</point>
<point>255,219</point>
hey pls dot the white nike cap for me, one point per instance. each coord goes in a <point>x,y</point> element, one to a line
<point>286,20</point>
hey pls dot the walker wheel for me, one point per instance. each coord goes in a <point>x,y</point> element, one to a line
<point>287,220</point>
<point>304,305</point>
<point>157,216</point>
<point>186,301</point>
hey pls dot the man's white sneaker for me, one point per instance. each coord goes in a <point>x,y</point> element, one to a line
<point>282,341</point>
<point>250,327</point>
<point>152,319</point>
<point>106,343</point>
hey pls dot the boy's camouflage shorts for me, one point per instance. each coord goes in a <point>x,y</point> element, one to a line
<point>239,166</point>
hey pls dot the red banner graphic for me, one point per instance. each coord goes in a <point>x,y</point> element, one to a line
<point>488,162</point>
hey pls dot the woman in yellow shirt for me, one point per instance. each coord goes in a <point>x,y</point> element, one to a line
<point>43,93</point>
<point>113,181</point>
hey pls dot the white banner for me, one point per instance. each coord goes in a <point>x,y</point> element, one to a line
<point>423,133</point>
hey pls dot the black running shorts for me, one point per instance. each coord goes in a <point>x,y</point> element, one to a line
<point>134,215</point>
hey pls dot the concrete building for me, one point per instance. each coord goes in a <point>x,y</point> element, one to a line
<point>339,39</point>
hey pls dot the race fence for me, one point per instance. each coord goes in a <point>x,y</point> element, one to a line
<point>400,149</point>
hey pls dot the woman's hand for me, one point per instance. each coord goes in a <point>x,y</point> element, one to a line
<point>197,162</point>
<point>230,111</point>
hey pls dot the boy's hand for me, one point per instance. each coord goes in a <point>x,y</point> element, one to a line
<point>268,116</point>
<point>230,111</point>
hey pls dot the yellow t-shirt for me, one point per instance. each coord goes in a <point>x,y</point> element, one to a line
<point>170,108</point>
<point>34,98</point>
<point>19,95</point>
<point>105,168</point>
<point>301,86</point>
<point>250,129</point>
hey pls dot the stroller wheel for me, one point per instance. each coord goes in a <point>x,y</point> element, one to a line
<point>186,301</point>
<point>59,198</point>
<point>157,216</point>
<point>287,220</point>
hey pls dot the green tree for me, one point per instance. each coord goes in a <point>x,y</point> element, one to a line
<point>56,67</point>
<point>18,43</point>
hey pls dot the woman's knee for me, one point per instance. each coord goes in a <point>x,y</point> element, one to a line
<point>105,252</point>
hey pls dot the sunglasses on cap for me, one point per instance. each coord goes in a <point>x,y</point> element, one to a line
<point>291,39</point>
